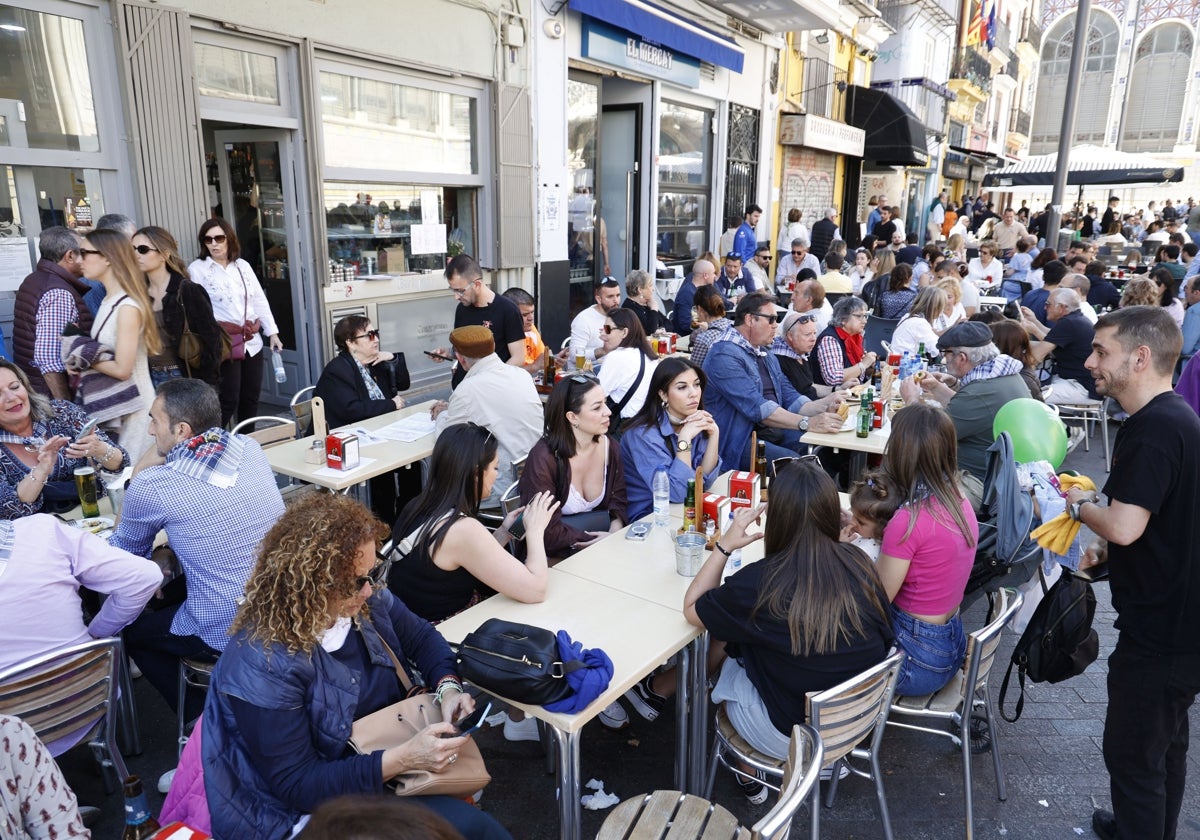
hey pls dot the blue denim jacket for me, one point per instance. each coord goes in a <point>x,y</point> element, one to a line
<point>240,800</point>
<point>734,396</point>
<point>646,448</point>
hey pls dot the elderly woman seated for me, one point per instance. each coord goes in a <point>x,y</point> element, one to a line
<point>42,448</point>
<point>840,356</point>
<point>315,646</point>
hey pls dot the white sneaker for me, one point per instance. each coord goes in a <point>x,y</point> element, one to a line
<point>135,672</point>
<point>521,730</point>
<point>1075,435</point>
<point>164,781</point>
<point>827,773</point>
<point>614,716</point>
<point>497,719</point>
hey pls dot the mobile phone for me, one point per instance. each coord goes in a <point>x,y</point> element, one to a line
<point>517,529</point>
<point>473,721</point>
<point>88,428</point>
<point>638,531</point>
<point>437,356</point>
<point>1094,574</point>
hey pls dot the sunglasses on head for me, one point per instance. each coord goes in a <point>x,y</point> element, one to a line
<point>584,378</point>
<point>215,239</point>
<point>144,249</point>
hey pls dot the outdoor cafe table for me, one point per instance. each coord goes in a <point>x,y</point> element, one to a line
<point>873,444</point>
<point>288,458</point>
<point>637,634</point>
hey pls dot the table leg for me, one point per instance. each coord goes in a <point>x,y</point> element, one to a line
<point>570,811</point>
<point>697,682</point>
<point>683,709</point>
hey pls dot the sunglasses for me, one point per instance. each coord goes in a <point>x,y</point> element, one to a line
<point>144,249</point>
<point>780,464</point>
<point>83,252</point>
<point>367,334</point>
<point>770,319</point>
<point>216,239</point>
<point>375,577</point>
<point>609,329</point>
<point>804,319</point>
<point>584,378</point>
<point>797,253</point>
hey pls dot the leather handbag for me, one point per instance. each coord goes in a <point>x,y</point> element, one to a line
<point>399,723</point>
<point>516,661</point>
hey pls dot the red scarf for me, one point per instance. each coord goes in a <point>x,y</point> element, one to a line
<point>853,345</point>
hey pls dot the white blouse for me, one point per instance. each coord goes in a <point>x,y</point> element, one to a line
<point>236,296</point>
<point>617,374</point>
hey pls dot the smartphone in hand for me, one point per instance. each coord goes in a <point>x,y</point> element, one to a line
<point>473,721</point>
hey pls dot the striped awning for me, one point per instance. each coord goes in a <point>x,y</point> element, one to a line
<point>1088,165</point>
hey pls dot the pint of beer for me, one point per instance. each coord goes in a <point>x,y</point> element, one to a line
<point>85,484</point>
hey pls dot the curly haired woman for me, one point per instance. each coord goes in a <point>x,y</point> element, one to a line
<point>311,652</point>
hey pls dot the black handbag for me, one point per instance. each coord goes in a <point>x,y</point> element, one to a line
<point>516,661</point>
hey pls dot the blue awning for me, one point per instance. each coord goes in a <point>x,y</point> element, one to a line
<point>666,29</point>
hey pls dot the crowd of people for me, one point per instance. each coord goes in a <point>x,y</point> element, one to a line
<point>310,628</point>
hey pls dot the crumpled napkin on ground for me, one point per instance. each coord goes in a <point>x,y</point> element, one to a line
<point>1058,534</point>
<point>599,800</point>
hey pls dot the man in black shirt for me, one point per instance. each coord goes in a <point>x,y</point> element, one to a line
<point>478,305</point>
<point>1153,536</point>
<point>1069,338</point>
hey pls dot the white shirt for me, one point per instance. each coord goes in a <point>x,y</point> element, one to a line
<point>618,373</point>
<point>788,267</point>
<point>503,399</point>
<point>790,231</point>
<point>990,275</point>
<point>823,316</point>
<point>911,332</point>
<point>944,322</point>
<point>585,330</point>
<point>236,296</point>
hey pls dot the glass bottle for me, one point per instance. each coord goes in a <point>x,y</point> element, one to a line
<point>689,507</point>
<point>865,414</point>
<point>760,467</point>
<point>139,822</point>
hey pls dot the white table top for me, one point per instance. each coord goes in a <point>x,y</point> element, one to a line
<point>872,444</point>
<point>288,458</point>
<point>636,634</point>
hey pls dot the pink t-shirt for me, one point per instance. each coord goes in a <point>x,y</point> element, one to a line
<point>940,559</point>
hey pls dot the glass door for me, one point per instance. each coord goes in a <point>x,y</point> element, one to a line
<point>256,185</point>
<point>583,233</point>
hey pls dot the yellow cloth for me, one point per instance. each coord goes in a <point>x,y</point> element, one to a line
<point>1058,534</point>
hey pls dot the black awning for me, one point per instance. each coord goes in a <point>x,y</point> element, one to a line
<point>895,137</point>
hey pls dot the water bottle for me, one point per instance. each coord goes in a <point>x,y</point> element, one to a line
<point>735,557</point>
<point>660,486</point>
<point>277,362</point>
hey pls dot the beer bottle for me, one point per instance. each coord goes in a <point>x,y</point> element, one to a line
<point>139,822</point>
<point>548,369</point>
<point>689,507</point>
<point>877,378</point>
<point>760,467</point>
<point>865,414</point>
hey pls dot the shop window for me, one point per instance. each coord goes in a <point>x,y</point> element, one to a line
<point>68,197</point>
<point>741,170</point>
<point>44,69</point>
<point>379,229</point>
<point>583,122</point>
<point>236,74</point>
<point>684,176</point>
<point>374,124</point>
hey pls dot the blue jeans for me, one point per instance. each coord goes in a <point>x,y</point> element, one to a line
<point>932,652</point>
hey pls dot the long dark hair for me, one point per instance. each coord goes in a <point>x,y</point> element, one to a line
<point>921,458</point>
<point>635,335</point>
<point>652,410</point>
<point>460,457</point>
<point>812,580</point>
<point>568,395</point>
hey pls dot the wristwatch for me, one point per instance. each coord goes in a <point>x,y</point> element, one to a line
<point>683,445</point>
<point>803,424</point>
<point>1073,508</point>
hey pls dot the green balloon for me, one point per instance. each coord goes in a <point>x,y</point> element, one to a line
<point>1037,433</point>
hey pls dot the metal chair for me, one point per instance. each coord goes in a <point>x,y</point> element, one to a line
<point>309,416</point>
<point>193,673</point>
<point>510,500</point>
<point>878,331</point>
<point>279,430</point>
<point>1092,413</point>
<point>689,817</point>
<point>844,717</point>
<point>71,691</point>
<point>967,696</point>
<point>303,395</point>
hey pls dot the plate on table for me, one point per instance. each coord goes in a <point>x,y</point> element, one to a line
<point>99,525</point>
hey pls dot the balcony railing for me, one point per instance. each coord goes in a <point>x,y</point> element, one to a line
<point>973,66</point>
<point>1013,68</point>
<point>823,89</point>
<point>899,13</point>
<point>1032,32</point>
<point>1002,38</point>
<point>924,97</point>
<point>1020,122</point>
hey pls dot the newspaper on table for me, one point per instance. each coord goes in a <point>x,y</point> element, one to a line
<point>413,427</point>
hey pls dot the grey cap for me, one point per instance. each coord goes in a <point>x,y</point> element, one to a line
<point>967,334</point>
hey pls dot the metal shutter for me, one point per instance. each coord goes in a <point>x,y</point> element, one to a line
<point>514,166</point>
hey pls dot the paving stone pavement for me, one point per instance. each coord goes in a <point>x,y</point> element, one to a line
<point>1052,762</point>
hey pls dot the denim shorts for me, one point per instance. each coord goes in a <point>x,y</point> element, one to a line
<point>932,652</point>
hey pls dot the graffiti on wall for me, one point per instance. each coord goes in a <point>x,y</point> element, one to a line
<point>807,183</point>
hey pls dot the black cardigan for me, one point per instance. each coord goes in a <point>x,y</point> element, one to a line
<point>345,394</point>
<point>185,297</point>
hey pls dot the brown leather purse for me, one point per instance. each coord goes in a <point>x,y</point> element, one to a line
<point>400,722</point>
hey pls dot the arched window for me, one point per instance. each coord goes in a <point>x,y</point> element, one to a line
<point>1154,100</point>
<point>1095,83</point>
